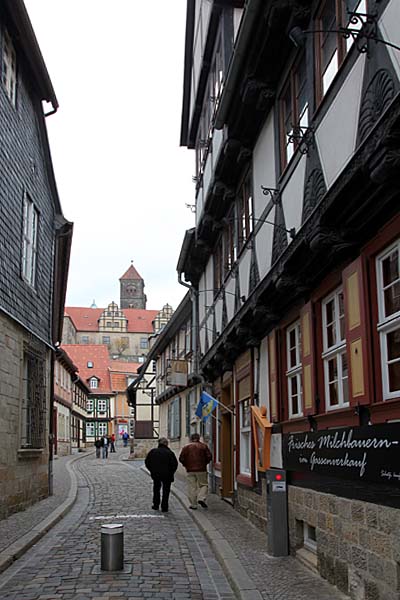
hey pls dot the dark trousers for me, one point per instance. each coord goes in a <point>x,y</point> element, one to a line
<point>166,487</point>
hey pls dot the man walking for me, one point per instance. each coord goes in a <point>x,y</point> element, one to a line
<point>195,458</point>
<point>162,464</point>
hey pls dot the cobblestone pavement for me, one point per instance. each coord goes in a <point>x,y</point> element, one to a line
<point>274,578</point>
<point>166,556</point>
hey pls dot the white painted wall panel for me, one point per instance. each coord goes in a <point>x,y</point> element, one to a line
<point>210,282</point>
<point>199,205</point>
<point>230,298</point>
<point>218,138</point>
<point>264,380</point>
<point>218,315</point>
<point>202,298</point>
<point>292,197</point>
<point>208,171</point>
<point>336,135</point>
<point>237,17</point>
<point>264,239</point>
<point>264,165</point>
<point>389,25</point>
<point>244,272</point>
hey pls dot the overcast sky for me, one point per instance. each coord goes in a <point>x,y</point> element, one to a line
<point>117,70</point>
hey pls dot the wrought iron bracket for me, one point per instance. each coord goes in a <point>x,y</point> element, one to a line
<point>302,137</point>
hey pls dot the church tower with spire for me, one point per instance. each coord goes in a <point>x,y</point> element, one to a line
<point>132,289</point>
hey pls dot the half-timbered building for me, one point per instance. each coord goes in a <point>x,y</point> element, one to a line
<point>293,110</point>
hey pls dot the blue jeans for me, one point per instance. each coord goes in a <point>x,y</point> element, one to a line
<point>105,451</point>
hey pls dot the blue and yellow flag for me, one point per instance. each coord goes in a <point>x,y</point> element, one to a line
<point>206,405</point>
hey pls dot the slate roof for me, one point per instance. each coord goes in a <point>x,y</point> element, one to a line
<point>81,354</point>
<point>87,319</point>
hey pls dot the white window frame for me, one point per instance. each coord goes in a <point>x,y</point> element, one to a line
<point>245,438</point>
<point>102,405</point>
<point>387,323</point>
<point>9,68</point>
<point>334,352</point>
<point>89,405</point>
<point>294,371</point>
<point>30,240</point>
<point>93,383</point>
<point>102,428</point>
<point>90,429</point>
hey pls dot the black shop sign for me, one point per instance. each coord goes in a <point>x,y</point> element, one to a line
<point>369,453</point>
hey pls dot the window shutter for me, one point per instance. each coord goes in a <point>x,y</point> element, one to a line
<point>356,320</point>
<point>273,376</point>
<point>178,417</point>
<point>308,359</point>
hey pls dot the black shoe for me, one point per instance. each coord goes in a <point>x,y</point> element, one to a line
<point>193,507</point>
<point>154,507</point>
<point>164,510</point>
<point>203,504</point>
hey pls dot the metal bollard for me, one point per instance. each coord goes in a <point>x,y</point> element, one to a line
<point>112,547</point>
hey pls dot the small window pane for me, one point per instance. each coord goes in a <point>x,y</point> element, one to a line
<point>390,268</point>
<point>393,344</point>
<point>394,377</point>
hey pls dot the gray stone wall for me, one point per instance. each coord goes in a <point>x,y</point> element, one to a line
<point>23,477</point>
<point>253,505</point>
<point>358,543</point>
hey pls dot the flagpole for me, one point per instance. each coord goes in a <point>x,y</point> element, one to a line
<point>224,406</point>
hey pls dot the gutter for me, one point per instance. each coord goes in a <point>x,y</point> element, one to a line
<point>249,19</point>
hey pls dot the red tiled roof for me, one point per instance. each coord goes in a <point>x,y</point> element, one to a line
<point>87,319</point>
<point>81,354</point>
<point>119,382</point>
<point>120,366</point>
<point>131,273</point>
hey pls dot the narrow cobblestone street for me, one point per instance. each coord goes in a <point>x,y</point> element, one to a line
<point>165,555</point>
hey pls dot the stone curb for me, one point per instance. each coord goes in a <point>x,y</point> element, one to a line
<point>18,548</point>
<point>242,584</point>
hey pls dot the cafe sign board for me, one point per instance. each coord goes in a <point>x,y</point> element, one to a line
<point>367,453</point>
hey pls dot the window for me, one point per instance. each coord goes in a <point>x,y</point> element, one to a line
<point>90,428</point>
<point>331,46</point>
<point>93,383</point>
<point>245,210</point>
<point>29,246</point>
<point>217,260</point>
<point>9,68</point>
<point>388,284</point>
<point>109,324</point>
<point>188,337</point>
<point>85,339</point>
<point>102,405</point>
<point>89,405</point>
<point>102,428</point>
<point>334,352</point>
<point>89,364</point>
<point>212,96</point>
<point>294,370</point>
<point>33,426</point>
<point>106,339</point>
<point>245,436</point>
<point>174,418</point>
<point>293,109</point>
<point>229,246</point>
<point>144,343</point>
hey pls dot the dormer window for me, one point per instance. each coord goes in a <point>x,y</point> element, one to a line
<point>93,383</point>
<point>89,364</point>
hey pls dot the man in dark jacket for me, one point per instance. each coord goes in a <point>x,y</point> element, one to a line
<point>195,458</point>
<point>162,464</point>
